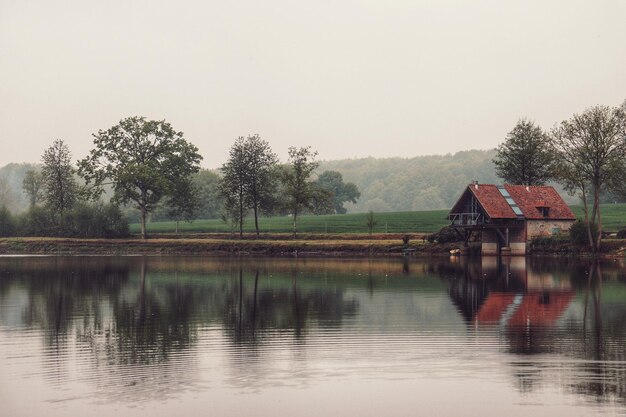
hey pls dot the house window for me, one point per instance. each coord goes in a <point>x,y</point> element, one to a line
<point>545,211</point>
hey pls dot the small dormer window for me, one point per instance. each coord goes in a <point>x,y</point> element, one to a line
<point>543,208</point>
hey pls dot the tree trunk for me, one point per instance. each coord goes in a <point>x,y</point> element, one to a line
<point>594,210</point>
<point>295,223</point>
<point>587,222</point>
<point>177,221</point>
<point>256,217</point>
<point>596,207</point>
<point>143,223</point>
<point>240,216</point>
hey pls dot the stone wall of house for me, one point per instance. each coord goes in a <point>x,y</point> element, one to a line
<point>519,236</point>
<point>535,228</point>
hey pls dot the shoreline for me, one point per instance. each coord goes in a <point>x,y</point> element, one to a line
<point>275,245</point>
<point>305,246</point>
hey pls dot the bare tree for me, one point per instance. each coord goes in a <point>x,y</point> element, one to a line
<point>591,149</point>
<point>299,190</point>
<point>61,189</point>
<point>235,180</point>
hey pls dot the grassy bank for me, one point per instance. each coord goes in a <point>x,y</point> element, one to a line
<point>613,218</point>
<point>400,222</point>
<point>212,246</point>
<point>280,245</point>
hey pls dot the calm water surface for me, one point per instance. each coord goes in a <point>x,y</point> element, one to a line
<point>164,336</point>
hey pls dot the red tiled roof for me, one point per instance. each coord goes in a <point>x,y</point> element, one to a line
<point>528,199</point>
<point>492,201</point>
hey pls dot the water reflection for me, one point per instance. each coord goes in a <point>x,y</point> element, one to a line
<point>164,326</point>
<point>535,308</point>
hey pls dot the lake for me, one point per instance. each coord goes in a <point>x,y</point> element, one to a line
<point>164,336</point>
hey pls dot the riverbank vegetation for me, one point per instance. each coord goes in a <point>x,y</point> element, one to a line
<point>145,172</point>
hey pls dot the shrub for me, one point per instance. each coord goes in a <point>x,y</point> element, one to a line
<point>83,220</point>
<point>544,242</point>
<point>621,234</point>
<point>445,235</point>
<point>578,233</point>
<point>115,223</point>
<point>37,221</point>
<point>7,223</point>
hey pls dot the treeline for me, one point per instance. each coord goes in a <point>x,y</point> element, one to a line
<point>385,184</point>
<point>147,166</point>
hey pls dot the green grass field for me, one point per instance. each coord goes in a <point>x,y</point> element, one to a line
<point>614,218</point>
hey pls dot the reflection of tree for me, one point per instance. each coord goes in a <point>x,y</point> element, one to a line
<point>470,285</point>
<point>62,294</point>
<point>138,321</point>
<point>597,340</point>
<point>153,324</point>
<point>528,318</point>
<point>251,310</point>
<point>601,344</point>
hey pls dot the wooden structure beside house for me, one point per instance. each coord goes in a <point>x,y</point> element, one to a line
<point>508,216</point>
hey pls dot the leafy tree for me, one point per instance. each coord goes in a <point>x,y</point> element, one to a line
<point>299,191</point>
<point>260,161</point>
<point>322,201</point>
<point>183,203</point>
<point>248,178</point>
<point>526,156</point>
<point>33,187</point>
<point>60,187</point>
<point>207,184</point>
<point>230,214</point>
<point>341,192</point>
<point>370,221</point>
<point>234,185</point>
<point>591,150</point>
<point>143,159</point>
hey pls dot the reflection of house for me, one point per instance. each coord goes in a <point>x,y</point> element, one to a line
<point>506,291</point>
<point>537,308</point>
<point>510,215</point>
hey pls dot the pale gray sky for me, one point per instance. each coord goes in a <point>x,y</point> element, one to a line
<point>349,78</point>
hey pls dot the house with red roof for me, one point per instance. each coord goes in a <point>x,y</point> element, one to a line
<point>508,216</point>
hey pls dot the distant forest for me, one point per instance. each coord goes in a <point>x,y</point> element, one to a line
<point>419,183</point>
<point>386,184</point>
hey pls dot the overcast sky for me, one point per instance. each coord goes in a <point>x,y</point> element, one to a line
<point>350,78</point>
